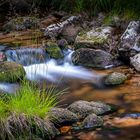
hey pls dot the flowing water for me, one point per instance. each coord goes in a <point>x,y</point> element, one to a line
<point>81,83</point>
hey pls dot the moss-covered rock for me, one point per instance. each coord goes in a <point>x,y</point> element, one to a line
<point>21,23</point>
<point>115,78</point>
<point>94,38</point>
<point>11,72</point>
<point>54,51</point>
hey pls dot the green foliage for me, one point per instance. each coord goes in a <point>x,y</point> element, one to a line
<point>26,112</point>
<point>31,101</point>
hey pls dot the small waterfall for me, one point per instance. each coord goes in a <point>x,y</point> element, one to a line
<point>53,72</point>
<point>27,56</point>
<point>39,66</point>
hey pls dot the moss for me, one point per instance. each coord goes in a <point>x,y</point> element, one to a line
<point>89,42</point>
<point>54,51</point>
<point>11,72</point>
<point>115,79</point>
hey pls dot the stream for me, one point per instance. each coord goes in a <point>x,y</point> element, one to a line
<point>83,84</point>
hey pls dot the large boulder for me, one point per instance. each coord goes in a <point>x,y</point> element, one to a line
<point>96,38</point>
<point>85,108</point>
<point>93,58</point>
<point>63,116</point>
<point>135,62</point>
<point>115,78</point>
<point>129,45</point>
<point>11,72</point>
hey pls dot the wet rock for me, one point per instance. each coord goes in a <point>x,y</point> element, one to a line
<point>135,62</point>
<point>21,23</point>
<point>63,116</point>
<point>11,72</point>
<point>84,108</point>
<point>21,6</point>
<point>92,121</point>
<point>115,78</point>
<point>96,38</point>
<point>62,43</point>
<point>93,58</point>
<point>129,45</point>
<point>53,50</point>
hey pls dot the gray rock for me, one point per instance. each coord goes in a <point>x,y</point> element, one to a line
<point>84,108</point>
<point>70,32</point>
<point>96,38</point>
<point>129,45</point>
<point>93,58</point>
<point>55,30</point>
<point>62,43</point>
<point>105,107</point>
<point>92,121</point>
<point>53,50</point>
<point>63,116</point>
<point>115,78</point>
<point>135,62</point>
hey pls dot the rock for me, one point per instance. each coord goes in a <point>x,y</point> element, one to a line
<point>2,56</point>
<point>93,58</point>
<point>63,116</point>
<point>11,72</point>
<point>53,50</point>
<point>85,108</point>
<point>135,62</point>
<point>105,107</point>
<point>62,43</point>
<point>92,121</point>
<point>21,23</point>
<point>55,30</point>
<point>129,45</point>
<point>70,32</point>
<point>96,38</point>
<point>115,78</point>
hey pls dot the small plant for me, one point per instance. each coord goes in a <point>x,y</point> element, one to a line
<point>26,113</point>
